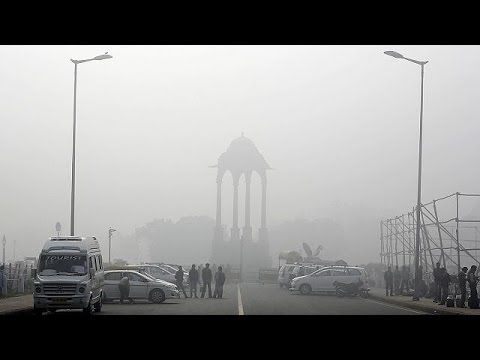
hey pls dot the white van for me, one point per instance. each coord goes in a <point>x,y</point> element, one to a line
<point>69,275</point>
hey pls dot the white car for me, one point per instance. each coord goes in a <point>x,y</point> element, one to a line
<point>322,280</point>
<point>142,286</point>
<point>162,272</point>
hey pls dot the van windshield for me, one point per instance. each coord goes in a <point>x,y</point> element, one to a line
<point>63,265</point>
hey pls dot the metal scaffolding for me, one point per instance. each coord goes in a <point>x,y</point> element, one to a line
<point>446,237</point>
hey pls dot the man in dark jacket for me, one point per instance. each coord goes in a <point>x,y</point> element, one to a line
<point>388,276</point>
<point>219,281</point>
<point>462,285</point>
<point>179,280</point>
<point>437,275</point>
<point>207,280</point>
<point>444,282</point>
<point>472,283</point>
<point>193,280</point>
<point>397,277</point>
<point>405,279</point>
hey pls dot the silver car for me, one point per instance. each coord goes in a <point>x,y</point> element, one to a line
<point>142,286</point>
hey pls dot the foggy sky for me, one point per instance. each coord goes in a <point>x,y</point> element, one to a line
<point>339,125</point>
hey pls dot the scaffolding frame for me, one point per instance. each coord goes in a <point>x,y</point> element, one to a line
<point>441,240</point>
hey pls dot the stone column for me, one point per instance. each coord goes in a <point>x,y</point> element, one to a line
<point>235,234</point>
<point>247,229</point>
<point>264,203</point>
<point>263,233</point>
<point>217,244</point>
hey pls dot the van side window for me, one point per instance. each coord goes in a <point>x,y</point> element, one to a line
<point>92,263</point>
<point>101,262</point>
<point>97,262</point>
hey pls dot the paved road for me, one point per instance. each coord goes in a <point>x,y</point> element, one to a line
<point>257,299</point>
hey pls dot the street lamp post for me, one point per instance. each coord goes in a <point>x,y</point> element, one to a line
<point>417,236</point>
<point>4,241</point>
<point>110,232</point>
<point>241,258</point>
<point>72,201</point>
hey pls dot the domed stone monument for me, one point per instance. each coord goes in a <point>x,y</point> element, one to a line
<point>241,158</point>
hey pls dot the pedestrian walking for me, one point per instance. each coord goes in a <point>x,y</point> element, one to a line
<point>124,287</point>
<point>462,285</point>
<point>207,280</point>
<point>219,282</point>
<point>437,275</point>
<point>179,280</point>
<point>388,276</point>
<point>193,280</point>
<point>397,278</point>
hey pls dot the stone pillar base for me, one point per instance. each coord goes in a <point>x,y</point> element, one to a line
<point>247,233</point>
<point>235,234</point>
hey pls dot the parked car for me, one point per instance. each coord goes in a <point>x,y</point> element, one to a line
<point>289,271</point>
<point>322,280</point>
<point>163,273</point>
<point>141,287</point>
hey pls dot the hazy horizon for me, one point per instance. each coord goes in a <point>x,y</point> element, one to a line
<point>338,125</point>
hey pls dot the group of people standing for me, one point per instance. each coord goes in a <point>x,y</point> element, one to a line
<point>194,279</point>
<point>397,281</point>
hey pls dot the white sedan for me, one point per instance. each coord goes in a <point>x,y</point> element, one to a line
<point>141,287</point>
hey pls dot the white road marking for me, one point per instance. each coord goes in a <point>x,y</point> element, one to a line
<point>396,307</point>
<point>240,306</point>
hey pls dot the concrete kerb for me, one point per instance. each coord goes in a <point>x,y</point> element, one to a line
<point>415,305</point>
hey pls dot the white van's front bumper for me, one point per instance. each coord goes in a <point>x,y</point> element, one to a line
<point>61,302</point>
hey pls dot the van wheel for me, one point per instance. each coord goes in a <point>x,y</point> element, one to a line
<point>98,305</point>
<point>305,289</point>
<point>157,296</point>
<point>37,311</point>
<point>89,309</point>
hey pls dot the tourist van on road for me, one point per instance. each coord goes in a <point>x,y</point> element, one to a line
<point>69,276</point>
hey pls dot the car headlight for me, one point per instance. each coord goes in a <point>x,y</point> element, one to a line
<point>38,289</point>
<point>81,289</point>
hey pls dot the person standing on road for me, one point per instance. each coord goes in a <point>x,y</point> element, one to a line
<point>444,283</point>
<point>124,287</point>
<point>193,280</point>
<point>462,284</point>
<point>405,279</point>
<point>388,276</point>
<point>207,280</point>
<point>397,277</point>
<point>179,279</point>
<point>437,275</point>
<point>472,282</point>
<point>219,281</point>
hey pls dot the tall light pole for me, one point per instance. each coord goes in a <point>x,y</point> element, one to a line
<point>110,232</point>
<point>4,241</point>
<point>72,201</point>
<point>419,193</point>
<point>241,259</point>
